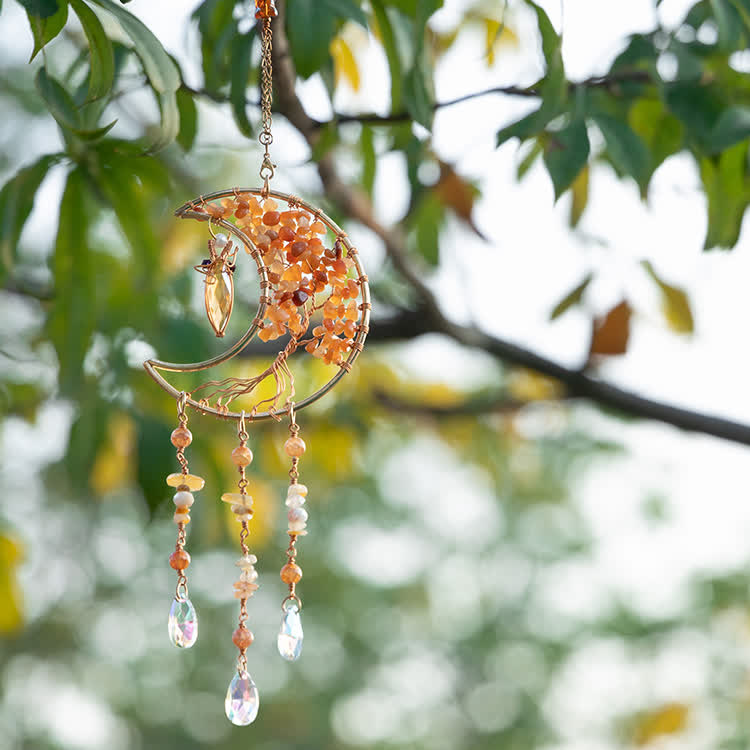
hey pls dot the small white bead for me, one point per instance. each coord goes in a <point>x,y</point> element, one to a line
<point>181,517</point>
<point>297,489</point>
<point>304,220</point>
<point>295,501</point>
<point>249,575</point>
<point>183,498</point>
<point>247,561</point>
<point>220,241</point>
<point>297,514</point>
<point>297,525</point>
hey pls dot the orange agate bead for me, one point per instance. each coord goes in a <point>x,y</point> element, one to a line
<point>291,573</point>
<point>181,437</point>
<point>295,447</point>
<point>179,559</point>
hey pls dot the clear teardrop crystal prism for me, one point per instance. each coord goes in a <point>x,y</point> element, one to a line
<point>242,702</point>
<point>183,623</point>
<point>290,636</point>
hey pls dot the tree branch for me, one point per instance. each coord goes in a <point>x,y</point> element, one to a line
<point>355,204</point>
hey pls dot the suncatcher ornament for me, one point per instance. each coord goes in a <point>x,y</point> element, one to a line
<point>313,292</point>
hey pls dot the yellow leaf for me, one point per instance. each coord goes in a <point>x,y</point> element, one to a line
<point>11,601</point>
<point>114,463</point>
<point>525,385</point>
<point>671,718</point>
<point>496,33</point>
<point>580,193</point>
<point>675,305</point>
<point>344,63</point>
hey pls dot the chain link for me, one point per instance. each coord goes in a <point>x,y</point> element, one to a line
<point>267,167</point>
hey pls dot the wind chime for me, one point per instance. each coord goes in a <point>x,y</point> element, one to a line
<point>313,289</point>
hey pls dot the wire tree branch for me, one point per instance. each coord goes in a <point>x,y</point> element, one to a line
<point>356,205</point>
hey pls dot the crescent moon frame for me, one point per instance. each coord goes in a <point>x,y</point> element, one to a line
<point>155,367</point>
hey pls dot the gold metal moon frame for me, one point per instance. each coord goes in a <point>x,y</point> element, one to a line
<point>195,210</point>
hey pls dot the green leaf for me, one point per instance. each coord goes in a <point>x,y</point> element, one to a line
<point>41,8</point>
<point>62,107</point>
<point>626,150</point>
<point>241,49</point>
<point>369,158</point>
<point>572,298</point>
<point>729,24</point>
<point>16,201</point>
<point>528,161</point>
<point>46,28</point>
<point>102,65</point>
<point>732,126</point>
<point>428,218</point>
<point>699,107</point>
<point>73,315</point>
<point>350,9</point>
<point>153,452</point>
<point>157,64</point>
<point>580,196</point>
<point>418,98</point>
<point>675,304</point>
<point>566,152</point>
<point>327,138</point>
<point>388,38</point>
<point>727,191</point>
<point>661,131</point>
<point>188,119</point>
<point>553,88</point>
<point>743,8</point>
<point>311,27</point>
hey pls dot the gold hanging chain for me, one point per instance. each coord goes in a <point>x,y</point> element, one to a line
<point>267,167</point>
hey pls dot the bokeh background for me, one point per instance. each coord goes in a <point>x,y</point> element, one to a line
<point>494,561</point>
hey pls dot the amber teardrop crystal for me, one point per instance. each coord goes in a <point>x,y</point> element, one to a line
<point>219,294</point>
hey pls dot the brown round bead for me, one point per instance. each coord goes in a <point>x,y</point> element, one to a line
<point>291,573</point>
<point>181,437</point>
<point>300,297</point>
<point>179,559</point>
<point>242,456</point>
<point>295,447</point>
<point>298,248</point>
<point>271,218</point>
<point>242,637</point>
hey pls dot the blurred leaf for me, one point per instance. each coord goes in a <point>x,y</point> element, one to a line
<point>611,333</point>
<point>698,106</point>
<point>102,70</point>
<point>157,64</point>
<point>526,385</point>
<point>310,28</point>
<point>73,314</point>
<point>626,150</point>
<point>155,454</point>
<point>427,219</point>
<point>16,201</point>
<point>46,28</point>
<point>188,119</point>
<point>553,88</point>
<point>62,107</point>
<point>385,32</point>
<point>668,719</point>
<point>11,598</point>
<point>418,96</point>
<point>41,8</point>
<point>728,194</point>
<point>241,50</point>
<point>113,465</point>
<point>217,29</point>
<point>729,24</point>
<point>350,9</point>
<point>743,8</point>
<point>675,303</point>
<point>344,63</point>
<point>580,198</point>
<point>369,159</point>
<point>661,131</point>
<point>572,298</point>
<point>732,126</point>
<point>528,160</point>
<point>327,138</point>
<point>566,152</point>
<point>458,194</point>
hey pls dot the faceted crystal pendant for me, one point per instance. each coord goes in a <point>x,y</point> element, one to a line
<point>219,294</point>
<point>290,636</point>
<point>183,623</point>
<point>242,702</point>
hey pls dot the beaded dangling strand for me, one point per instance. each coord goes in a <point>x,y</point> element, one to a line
<point>183,621</point>
<point>242,702</point>
<point>290,636</point>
